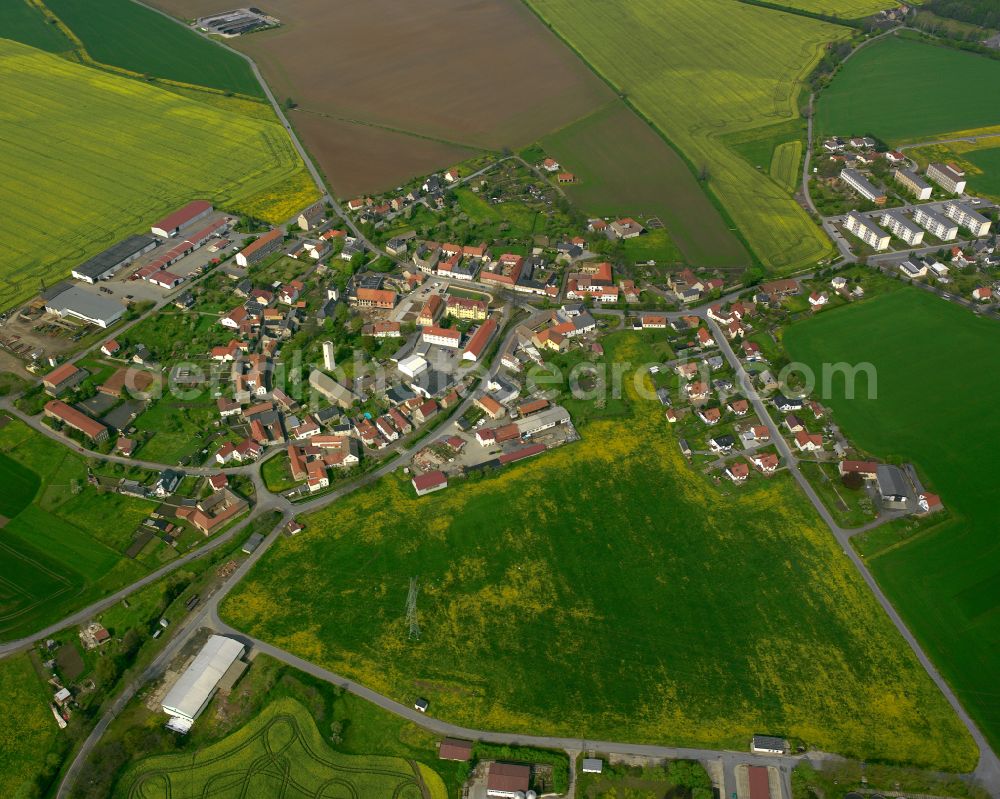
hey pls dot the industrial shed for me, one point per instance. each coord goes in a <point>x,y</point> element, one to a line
<point>80,304</point>
<point>196,686</point>
<point>114,258</point>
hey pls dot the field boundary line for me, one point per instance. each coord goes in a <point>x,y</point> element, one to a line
<point>755,261</point>
<point>392,129</point>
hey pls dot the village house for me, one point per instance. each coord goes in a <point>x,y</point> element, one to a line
<point>710,416</point>
<point>428,482</point>
<point>767,462</point>
<point>738,472</point>
<point>808,442</point>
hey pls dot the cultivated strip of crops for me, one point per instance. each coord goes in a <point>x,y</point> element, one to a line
<point>702,70</point>
<point>845,9</point>
<point>785,164</point>
<point>89,157</point>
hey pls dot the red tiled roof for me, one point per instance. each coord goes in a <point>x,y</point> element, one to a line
<point>429,480</point>
<point>75,418</point>
<point>481,338</point>
<point>60,374</point>
<point>263,241</point>
<point>182,216</point>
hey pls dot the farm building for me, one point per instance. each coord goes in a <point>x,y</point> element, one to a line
<point>331,389</point>
<point>73,418</point>
<point>529,426</point>
<point>79,304</point>
<point>893,486</point>
<point>455,749</point>
<point>105,264</point>
<point>768,745</point>
<point>508,780</point>
<point>62,378</point>
<point>431,481</point>
<point>188,697</point>
<point>171,225</point>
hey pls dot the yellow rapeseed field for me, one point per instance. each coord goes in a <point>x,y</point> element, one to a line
<point>606,590</point>
<point>90,157</point>
<point>27,728</point>
<point>844,9</point>
<point>700,70</point>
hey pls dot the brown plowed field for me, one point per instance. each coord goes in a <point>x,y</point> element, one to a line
<point>484,73</point>
<point>360,159</point>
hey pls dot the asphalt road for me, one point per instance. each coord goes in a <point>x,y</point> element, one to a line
<point>988,769</point>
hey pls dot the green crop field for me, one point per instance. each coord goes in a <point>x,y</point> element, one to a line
<point>27,728</point>
<point>935,407</point>
<point>278,755</point>
<point>845,9</point>
<point>25,23</point>
<point>698,82</point>
<point>107,155</point>
<point>626,169</point>
<point>980,159</point>
<point>605,590</point>
<point>987,161</point>
<point>63,542</point>
<point>785,164</point>
<point>923,92</point>
<point>127,35</point>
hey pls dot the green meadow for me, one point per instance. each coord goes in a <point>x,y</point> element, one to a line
<point>625,168</point>
<point>130,36</point>
<point>606,590</point>
<point>922,91</point>
<point>23,22</point>
<point>62,544</point>
<point>936,406</point>
<point>27,729</point>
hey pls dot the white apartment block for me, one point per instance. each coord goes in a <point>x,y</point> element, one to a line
<point>866,230</point>
<point>935,224</point>
<point>913,183</point>
<point>862,185</point>
<point>902,228</point>
<point>947,176</point>
<point>976,223</point>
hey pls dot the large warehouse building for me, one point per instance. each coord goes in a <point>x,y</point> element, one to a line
<point>105,264</point>
<point>81,304</point>
<point>196,686</point>
<point>171,225</point>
